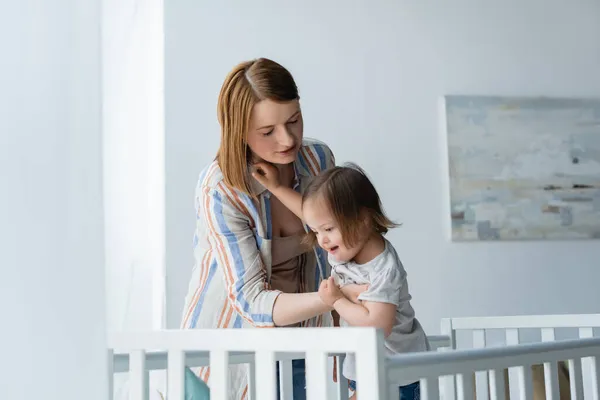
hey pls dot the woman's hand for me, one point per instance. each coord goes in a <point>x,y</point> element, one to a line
<point>352,291</point>
<point>267,175</point>
<point>329,292</point>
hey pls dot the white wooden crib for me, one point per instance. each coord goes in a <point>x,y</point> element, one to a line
<point>508,331</point>
<point>446,373</point>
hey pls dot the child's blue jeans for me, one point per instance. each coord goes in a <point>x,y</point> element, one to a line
<point>408,392</point>
<point>298,379</point>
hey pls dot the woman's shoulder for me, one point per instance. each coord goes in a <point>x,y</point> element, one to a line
<point>315,145</point>
<point>316,154</point>
<point>211,183</point>
<point>210,177</point>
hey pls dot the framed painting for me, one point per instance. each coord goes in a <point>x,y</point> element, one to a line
<point>523,168</point>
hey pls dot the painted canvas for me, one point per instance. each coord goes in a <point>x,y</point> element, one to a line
<point>523,168</point>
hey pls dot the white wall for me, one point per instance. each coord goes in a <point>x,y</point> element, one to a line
<point>370,78</point>
<point>51,237</point>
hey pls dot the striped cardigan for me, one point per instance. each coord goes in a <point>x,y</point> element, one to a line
<point>230,286</point>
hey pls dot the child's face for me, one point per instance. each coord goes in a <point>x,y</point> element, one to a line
<point>329,236</point>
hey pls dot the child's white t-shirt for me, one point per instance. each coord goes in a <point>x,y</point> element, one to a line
<point>387,282</point>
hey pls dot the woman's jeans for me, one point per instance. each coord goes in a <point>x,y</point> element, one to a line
<point>408,392</point>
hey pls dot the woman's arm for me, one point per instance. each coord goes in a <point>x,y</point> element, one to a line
<point>291,308</point>
<point>232,240</point>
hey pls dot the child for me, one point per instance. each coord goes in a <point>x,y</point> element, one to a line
<point>344,213</point>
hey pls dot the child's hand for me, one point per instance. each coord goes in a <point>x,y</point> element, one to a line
<point>266,174</point>
<point>329,292</point>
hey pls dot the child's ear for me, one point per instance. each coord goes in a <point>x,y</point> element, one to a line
<point>365,219</point>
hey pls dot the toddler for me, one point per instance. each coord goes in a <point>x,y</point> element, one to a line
<point>344,213</point>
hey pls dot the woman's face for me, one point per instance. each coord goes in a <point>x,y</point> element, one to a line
<point>276,131</point>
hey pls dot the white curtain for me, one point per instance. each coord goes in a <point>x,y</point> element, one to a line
<point>133,149</point>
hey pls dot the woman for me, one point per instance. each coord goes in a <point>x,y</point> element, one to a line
<point>251,269</point>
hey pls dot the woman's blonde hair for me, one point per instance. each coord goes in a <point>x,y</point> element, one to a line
<point>248,83</point>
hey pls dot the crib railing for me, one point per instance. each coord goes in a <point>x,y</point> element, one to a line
<point>430,367</point>
<point>260,348</point>
<point>133,359</point>
<point>341,387</point>
<point>138,353</point>
<point>513,328</point>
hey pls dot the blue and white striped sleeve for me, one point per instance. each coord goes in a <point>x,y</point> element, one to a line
<point>231,236</point>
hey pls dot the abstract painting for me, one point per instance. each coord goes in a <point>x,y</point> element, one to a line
<point>523,168</point>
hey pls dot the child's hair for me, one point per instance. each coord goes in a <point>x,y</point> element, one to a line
<point>349,193</point>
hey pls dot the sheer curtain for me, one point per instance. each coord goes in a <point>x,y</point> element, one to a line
<point>133,150</point>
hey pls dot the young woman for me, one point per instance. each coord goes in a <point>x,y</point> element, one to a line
<point>252,270</point>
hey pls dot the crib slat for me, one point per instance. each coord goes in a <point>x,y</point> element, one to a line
<point>370,361</point>
<point>575,379</point>
<point>551,381</point>
<point>497,391</point>
<point>252,380</point>
<point>481,377</point>
<point>449,381</point>
<point>525,382</point>
<point>266,379</point>
<point>286,380</point>
<point>548,334</point>
<point>219,374</point>
<point>464,386</point>
<point>430,389</point>
<point>595,377</point>
<point>512,338</point>
<point>393,392</point>
<point>175,375</point>
<point>586,332</point>
<point>138,376</point>
<point>342,382</point>
<point>316,375</point>
<point>550,369</point>
<point>587,366</point>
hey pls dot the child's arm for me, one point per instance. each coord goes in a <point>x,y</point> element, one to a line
<point>352,291</point>
<point>268,176</point>
<point>370,313</point>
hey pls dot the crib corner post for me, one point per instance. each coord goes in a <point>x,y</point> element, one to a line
<point>447,329</point>
<point>448,383</point>
<point>111,373</point>
<point>370,364</point>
